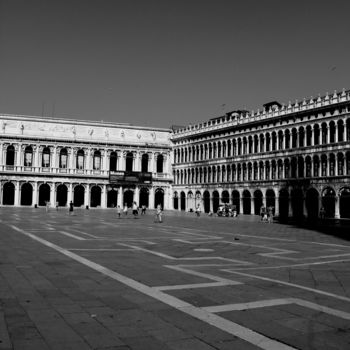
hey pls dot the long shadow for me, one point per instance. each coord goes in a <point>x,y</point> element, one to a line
<point>333,227</point>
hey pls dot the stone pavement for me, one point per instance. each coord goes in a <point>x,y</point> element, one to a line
<point>93,281</point>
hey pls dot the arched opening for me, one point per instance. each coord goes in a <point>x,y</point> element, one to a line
<point>144,163</point>
<point>190,201</point>
<point>28,156</point>
<point>144,197</point>
<point>206,201</point>
<point>95,199</point>
<point>182,201</point>
<point>10,155</point>
<point>44,194</point>
<point>8,196</point>
<point>297,203</point>
<point>176,200</point>
<point>258,201</point>
<point>79,193</point>
<point>283,205</point>
<point>80,160</point>
<point>236,200</point>
<point>112,197</point>
<point>160,161</point>
<point>97,161</point>
<point>113,161</point>
<point>225,197</point>
<point>129,159</point>
<point>26,194</point>
<point>128,198</point>
<point>344,203</point>
<point>45,161</point>
<point>246,202</point>
<point>311,203</point>
<point>216,201</point>
<point>270,198</point>
<point>62,193</point>
<point>159,198</point>
<point>63,161</point>
<point>328,202</point>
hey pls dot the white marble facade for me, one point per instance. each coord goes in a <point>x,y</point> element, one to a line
<point>71,157</point>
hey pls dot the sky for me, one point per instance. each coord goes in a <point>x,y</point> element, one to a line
<point>160,63</point>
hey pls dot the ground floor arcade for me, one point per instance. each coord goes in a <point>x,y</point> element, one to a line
<point>287,201</point>
<point>39,193</point>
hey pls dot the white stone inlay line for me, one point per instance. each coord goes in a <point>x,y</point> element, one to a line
<point>317,291</point>
<point>294,265</point>
<point>71,235</point>
<point>277,302</point>
<point>198,258</point>
<point>196,285</point>
<point>247,306</point>
<point>217,321</point>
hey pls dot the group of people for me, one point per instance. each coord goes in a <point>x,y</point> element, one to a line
<point>266,214</point>
<point>135,211</point>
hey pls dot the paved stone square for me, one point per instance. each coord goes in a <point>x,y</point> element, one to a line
<point>93,281</point>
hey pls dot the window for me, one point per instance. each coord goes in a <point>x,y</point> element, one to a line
<point>63,163</point>
<point>46,158</point>
<point>80,159</point>
<point>28,156</point>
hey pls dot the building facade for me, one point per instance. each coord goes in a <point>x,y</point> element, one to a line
<point>94,164</point>
<point>295,158</point>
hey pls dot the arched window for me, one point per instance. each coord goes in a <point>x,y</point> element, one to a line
<point>113,161</point>
<point>45,163</point>
<point>144,163</point>
<point>160,160</point>
<point>63,163</point>
<point>28,156</point>
<point>97,160</point>
<point>80,159</point>
<point>129,161</point>
<point>10,155</point>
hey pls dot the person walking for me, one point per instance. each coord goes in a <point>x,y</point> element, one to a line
<point>143,209</point>
<point>198,210</point>
<point>135,210</point>
<point>119,210</point>
<point>159,214</point>
<point>71,208</point>
<point>125,210</point>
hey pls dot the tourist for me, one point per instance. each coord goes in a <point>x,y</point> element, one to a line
<point>71,208</point>
<point>125,210</point>
<point>119,210</point>
<point>135,210</point>
<point>158,213</point>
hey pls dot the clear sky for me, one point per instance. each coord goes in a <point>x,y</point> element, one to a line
<point>168,62</point>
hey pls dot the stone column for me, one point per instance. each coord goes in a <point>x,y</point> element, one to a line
<point>105,165</point>
<point>120,197</point>
<point>53,195</point>
<point>337,211</point>
<point>151,198</point>
<point>104,197</point>
<point>252,206</point>
<point>17,193</point>
<point>35,193</point>
<point>152,169</point>
<point>54,159</point>
<point>70,193</point>
<point>87,196</point>
<point>277,213</point>
<point>89,159</point>
<point>71,153</point>
<point>137,165</point>
<point>137,195</point>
